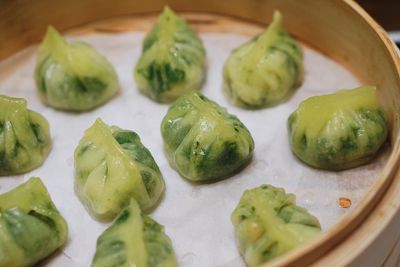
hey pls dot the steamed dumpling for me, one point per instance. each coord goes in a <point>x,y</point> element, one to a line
<point>134,239</point>
<point>338,131</point>
<point>31,228</point>
<point>73,76</point>
<point>172,61</point>
<point>268,223</point>
<point>111,167</point>
<point>264,71</point>
<point>203,141</point>
<point>24,137</point>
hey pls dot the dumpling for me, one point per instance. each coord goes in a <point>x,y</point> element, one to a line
<point>172,61</point>
<point>73,76</point>
<point>338,131</point>
<point>134,239</point>
<point>203,141</point>
<point>31,228</point>
<point>264,71</point>
<point>25,138</point>
<point>268,224</point>
<point>111,167</point>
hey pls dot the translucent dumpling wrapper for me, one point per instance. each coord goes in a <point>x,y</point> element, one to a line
<point>268,223</point>
<point>338,131</point>
<point>111,167</point>
<point>265,70</point>
<point>134,239</point>
<point>73,76</point>
<point>203,141</point>
<point>172,61</point>
<point>31,228</point>
<point>25,138</point>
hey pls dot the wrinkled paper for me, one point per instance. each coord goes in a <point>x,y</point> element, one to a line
<point>196,217</point>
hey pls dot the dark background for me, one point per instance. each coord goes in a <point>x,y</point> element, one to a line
<point>385,12</point>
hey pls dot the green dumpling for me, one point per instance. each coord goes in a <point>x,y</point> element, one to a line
<point>172,61</point>
<point>111,167</point>
<point>25,138</point>
<point>263,71</point>
<point>338,131</point>
<point>31,228</point>
<point>73,76</point>
<point>268,223</point>
<point>134,239</point>
<point>203,141</point>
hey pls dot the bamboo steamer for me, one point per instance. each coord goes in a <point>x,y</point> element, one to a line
<point>370,234</point>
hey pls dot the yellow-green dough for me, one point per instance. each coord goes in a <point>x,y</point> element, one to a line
<point>268,224</point>
<point>134,239</point>
<point>265,70</point>
<point>111,167</point>
<point>203,141</point>
<point>73,76</point>
<point>31,228</point>
<point>25,138</point>
<point>338,131</point>
<point>172,61</point>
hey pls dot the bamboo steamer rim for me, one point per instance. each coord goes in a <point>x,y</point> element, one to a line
<point>20,36</point>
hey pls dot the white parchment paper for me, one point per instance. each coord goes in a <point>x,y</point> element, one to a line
<point>196,217</point>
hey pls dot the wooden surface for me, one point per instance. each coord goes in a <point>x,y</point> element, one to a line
<point>393,259</point>
<point>340,29</point>
<point>386,12</point>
